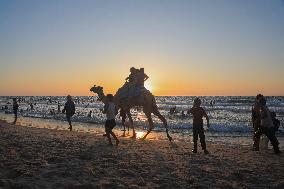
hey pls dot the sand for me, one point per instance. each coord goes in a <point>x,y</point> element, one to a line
<point>47,158</point>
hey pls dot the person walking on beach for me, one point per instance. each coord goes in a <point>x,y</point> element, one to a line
<point>256,118</point>
<point>69,108</point>
<point>198,113</point>
<point>15,110</point>
<point>267,126</point>
<point>110,111</point>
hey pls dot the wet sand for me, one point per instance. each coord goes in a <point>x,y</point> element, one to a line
<point>48,158</point>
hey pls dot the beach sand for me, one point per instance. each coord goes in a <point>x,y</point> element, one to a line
<point>48,158</point>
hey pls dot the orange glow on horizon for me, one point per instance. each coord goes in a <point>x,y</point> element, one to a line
<point>165,79</point>
<point>158,87</point>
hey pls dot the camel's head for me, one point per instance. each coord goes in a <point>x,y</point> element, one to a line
<point>97,89</point>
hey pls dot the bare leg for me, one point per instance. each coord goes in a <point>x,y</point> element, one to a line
<point>151,125</point>
<point>128,129</point>
<point>131,123</point>
<point>16,117</point>
<point>108,137</point>
<point>69,121</point>
<point>163,119</point>
<point>123,118</point>
<point>114,136</point>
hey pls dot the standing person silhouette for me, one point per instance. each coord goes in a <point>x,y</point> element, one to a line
<point>267,126</point>
<point>15,109</point>
<point>69,108</point>
<point>198,113</point>
<point>256,118</point>
<point>110,111</point>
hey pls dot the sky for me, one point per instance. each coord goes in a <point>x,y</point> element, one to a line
<point>187,47</point>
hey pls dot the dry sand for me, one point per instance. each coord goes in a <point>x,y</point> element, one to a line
<point>46,158</point>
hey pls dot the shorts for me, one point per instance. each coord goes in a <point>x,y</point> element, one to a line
<point>68,117</point>
<point>110,124</point>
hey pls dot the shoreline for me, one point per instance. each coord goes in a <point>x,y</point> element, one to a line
<point>238,139</point>
<point>46,158</point>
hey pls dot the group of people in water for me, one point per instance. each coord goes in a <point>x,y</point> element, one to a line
<point>264,121</point>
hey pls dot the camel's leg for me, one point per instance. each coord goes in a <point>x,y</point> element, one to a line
<point>151,125</point>
<point>123,118</point>
<point>131,123</point>
<point>163,119</point>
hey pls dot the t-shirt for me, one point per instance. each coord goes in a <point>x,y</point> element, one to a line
<point>266,120</point>
<point>110,110</point>
<point>69,108</point>
<point>198,113</point>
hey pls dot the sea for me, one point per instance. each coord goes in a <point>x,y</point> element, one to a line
<point>230,116</point>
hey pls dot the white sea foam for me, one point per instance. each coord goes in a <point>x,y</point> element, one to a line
<point>228,114</point>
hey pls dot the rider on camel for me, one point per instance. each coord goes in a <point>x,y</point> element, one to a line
<point>141,77</point>
<point>132,78</point>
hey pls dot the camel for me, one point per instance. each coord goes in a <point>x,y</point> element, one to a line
<point>145,100</point>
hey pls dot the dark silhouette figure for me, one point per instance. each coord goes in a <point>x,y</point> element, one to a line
<point>69,108</point>
<point>110,111</point>
<point>256,118</point>
<point>6,109</point>
<point>32,106</point>
<point>90,113</point>
<point>198,113</point>
<point>58,107</point>
<point>211,104</point>
<point>173,110</point>
<point>132,76</point>
<point>123,115</point>
<point>141,77</point>
<point>182,114</point>
<point>15,109</point>
<point>267,127</point>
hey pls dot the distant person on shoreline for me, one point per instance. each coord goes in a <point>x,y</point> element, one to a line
<point>58,107</point>
<point>110,111</point>
<point>267,127</point>
<point>173,110</point>
<point>32,106</point>
<point>90,113</point>
<point>211,104</point>
<point>69,108</point>
<point>182,114</point>
<point>15,109</point>
<point>6,109</point>
<point>198,113</point>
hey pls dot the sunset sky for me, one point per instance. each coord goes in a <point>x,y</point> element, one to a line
<point>187,47</point>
